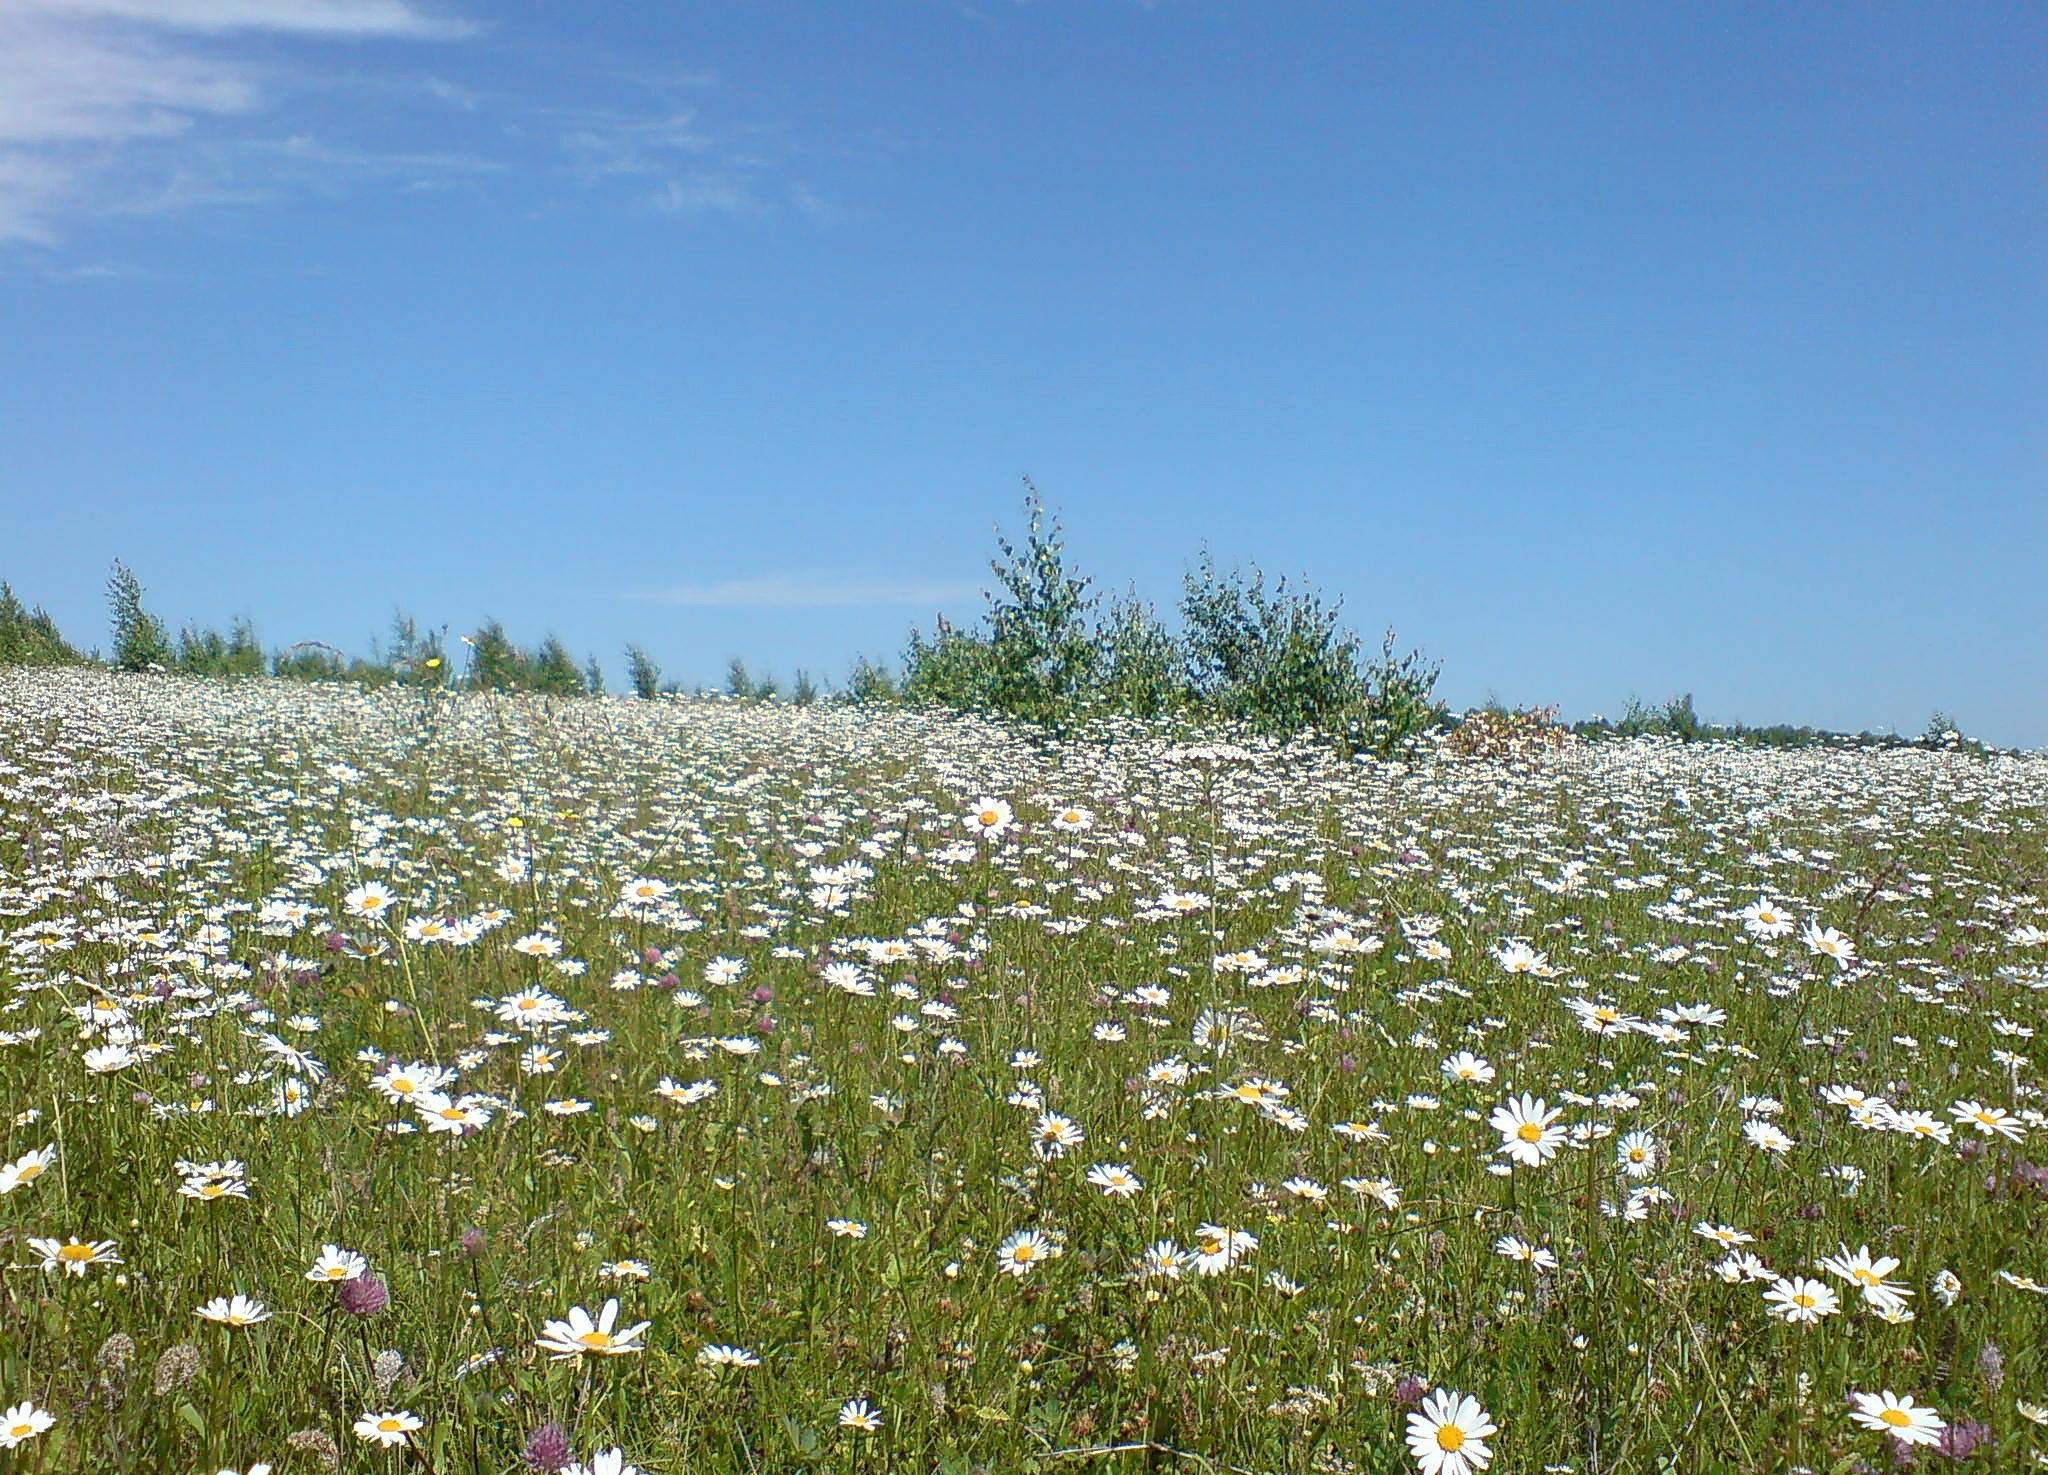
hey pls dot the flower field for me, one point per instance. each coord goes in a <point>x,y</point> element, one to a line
<point>432,1081</point>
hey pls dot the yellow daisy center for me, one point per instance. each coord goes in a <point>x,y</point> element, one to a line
<point>989,817</point>
<point>1529,1132</point>
<point>598,1340</point>
<point>1897,1418</point>
<point>31,1171</point>
<point>1803,1299</point>
<point>1450,1436</point>
<point>20,1431</point>
<point>77,1253</point>
<point>390,1426</point>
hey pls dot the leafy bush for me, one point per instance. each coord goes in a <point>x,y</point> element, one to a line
<point>140,639</point>
<point>1277,663</point>
<point>1273,661</point>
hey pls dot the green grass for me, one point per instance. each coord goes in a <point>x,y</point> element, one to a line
<point>145,823</point>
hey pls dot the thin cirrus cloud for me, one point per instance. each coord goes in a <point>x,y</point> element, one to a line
<point>106,105</point>
<point>129,108</point>
<point>801,593</point>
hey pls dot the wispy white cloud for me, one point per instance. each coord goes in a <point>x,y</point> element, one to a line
<point>790,592</point>
<point>315,17</point>
<point>103,103</point>
<point>701,194</point>
<point>126,108</point>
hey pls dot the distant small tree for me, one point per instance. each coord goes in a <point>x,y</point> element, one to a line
<point>593,676</point>
<point>140,639</point>
<point>737,682</point>
<point>309,660</point>
<point>29,637</point>
<point>1043,655</point>
<point>643,673</point>
<point>418,658</point>
<point>803,691</point>
<point>1681,721</point>
<point>869,685</point>
<point>553,670</point>
<point>495,663</point>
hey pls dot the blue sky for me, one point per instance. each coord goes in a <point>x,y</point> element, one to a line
<point>1600,349</point>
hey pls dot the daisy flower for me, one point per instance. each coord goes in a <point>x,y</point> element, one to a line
<point>1826,942</point>
<point>1467,1067</point>
<point>1900,1417</point>
<point>1527,1130</point>
<point>579,1334</point>
<point>75,1257</point>
<point>336,1264</point>
<point>1990,1120</point>
<point>1447,1435</point>
<point>1114,1179</point>
<point>1024,1251</point>
<point>859,1415</point>
<point>236,1310</point>
<point>1867,1273</point>
<point>1798,1300</point>
<point>22,1423</point>
<point>989,818</point>
<point>25,1169</point>
<point>388,1429</point>
<point>607,1462</point>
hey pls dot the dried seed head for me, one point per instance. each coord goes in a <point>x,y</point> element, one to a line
<point>176,1368</point>
<point>385,1368</point>
<point>318,1443</point>
<point>1991,1363</point>
<point>117,1352</point>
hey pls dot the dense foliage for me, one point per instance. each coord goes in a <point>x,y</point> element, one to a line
<point>1274,662</point>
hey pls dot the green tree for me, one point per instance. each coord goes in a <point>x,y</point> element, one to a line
<point>1043,657</point>
<point>553,670</point>
<point>1141,668</point>
<point>737,682</point>
<point>870,685</point>
<point>643,673</point>
<point>140,639</point>
<point>495,663</point>
<point>29,637</point>
<point>1275,660</point>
